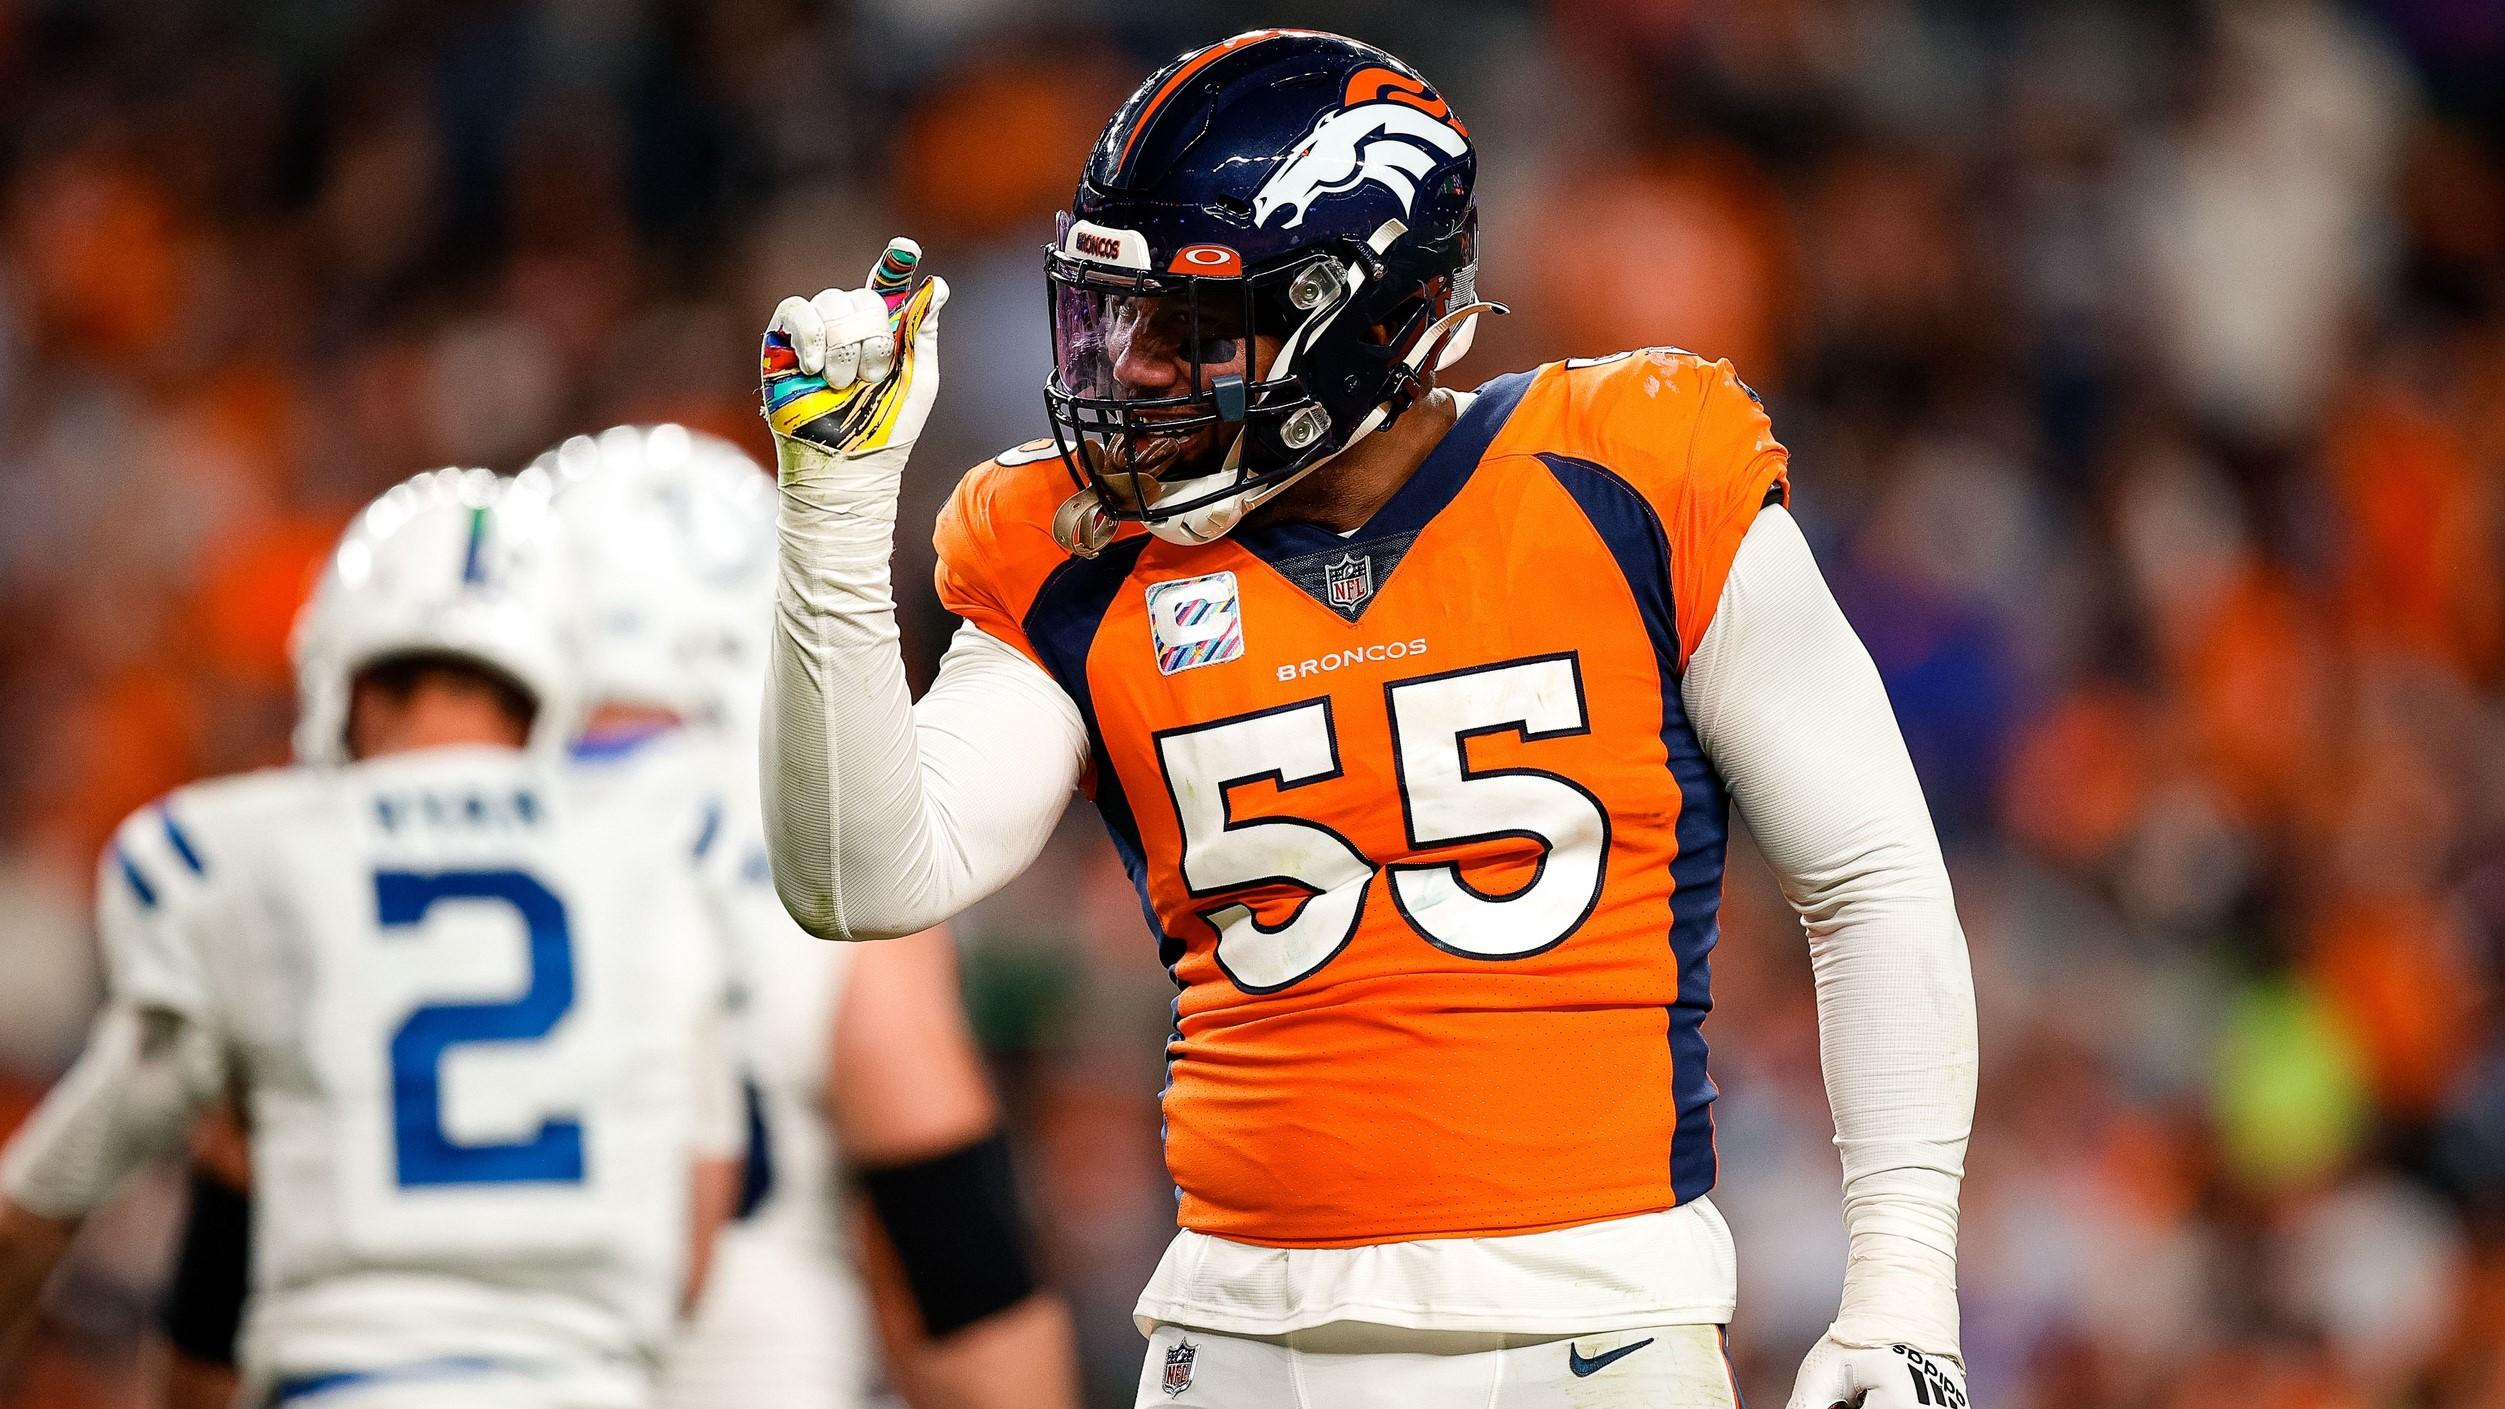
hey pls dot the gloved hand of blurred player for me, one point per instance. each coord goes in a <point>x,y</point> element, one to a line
<point>1883,1377</point>
<point>849,376</point>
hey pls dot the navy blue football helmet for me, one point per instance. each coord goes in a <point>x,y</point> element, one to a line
<point>1272,237</point>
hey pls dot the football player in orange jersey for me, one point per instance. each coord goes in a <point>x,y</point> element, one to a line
<point>1416,715</point>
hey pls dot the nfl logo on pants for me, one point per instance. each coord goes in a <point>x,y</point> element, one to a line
<point>1179,1360</point>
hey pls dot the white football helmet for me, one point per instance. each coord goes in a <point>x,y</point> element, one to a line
<point>452,561</point>
<point>668,536</point>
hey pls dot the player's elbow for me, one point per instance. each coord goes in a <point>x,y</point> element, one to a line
<point>823,913</point>
<point>809,878</point>
<point>815,910</point>
<point>867,933</point>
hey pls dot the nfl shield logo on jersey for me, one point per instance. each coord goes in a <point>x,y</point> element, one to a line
<point>1349,581</point>
<point>1179,1358</point>
<point>1196,621</point>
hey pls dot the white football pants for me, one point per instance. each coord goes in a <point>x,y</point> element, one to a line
<point>1350,1366</point>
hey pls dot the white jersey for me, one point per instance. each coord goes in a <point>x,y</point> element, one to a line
<point>471,1017</point>
<point>784,1320</point>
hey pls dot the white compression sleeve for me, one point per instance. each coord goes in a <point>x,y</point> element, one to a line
<point>885,818</point>
<point>1790,708</point>
<point>128,1101</point>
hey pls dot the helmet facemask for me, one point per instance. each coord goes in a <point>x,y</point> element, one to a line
<point>1177,419</point>
<point>1173,392</point>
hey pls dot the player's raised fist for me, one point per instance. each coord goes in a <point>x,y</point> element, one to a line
<point>852,372</point>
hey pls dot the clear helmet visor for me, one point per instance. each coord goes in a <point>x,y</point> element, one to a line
<point>1153,377</point>
<point>1157,346</point>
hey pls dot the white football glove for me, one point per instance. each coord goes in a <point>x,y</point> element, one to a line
<point>1838,1376</point>
<point>851,374</point>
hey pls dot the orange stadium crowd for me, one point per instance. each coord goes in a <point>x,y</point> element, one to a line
<point>2144,371</point>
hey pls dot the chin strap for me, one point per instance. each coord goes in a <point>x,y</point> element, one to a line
<point>1406,384</point>
<point>1082,526</point>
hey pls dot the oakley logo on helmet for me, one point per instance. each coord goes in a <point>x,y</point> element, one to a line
<point>1215,261</point>
<point>1390,134</point>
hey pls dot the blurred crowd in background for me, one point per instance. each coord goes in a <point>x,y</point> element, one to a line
<point>2144,370</point>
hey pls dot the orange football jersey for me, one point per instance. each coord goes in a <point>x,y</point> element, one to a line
<point>1416,813</point>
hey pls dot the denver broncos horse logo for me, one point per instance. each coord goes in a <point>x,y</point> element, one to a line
<point>1391,133</point>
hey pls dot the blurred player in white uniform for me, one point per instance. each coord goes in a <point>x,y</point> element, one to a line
<point>856,1056</point>
<point>852,1057</point>
<point>473,1026</point>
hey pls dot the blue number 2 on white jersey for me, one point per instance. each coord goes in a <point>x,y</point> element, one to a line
<point>425,1153</point>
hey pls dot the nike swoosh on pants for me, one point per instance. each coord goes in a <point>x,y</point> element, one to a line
<point>1581,1367</point>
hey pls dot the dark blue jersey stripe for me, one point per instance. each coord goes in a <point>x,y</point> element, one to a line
<point>1068,611</point>
<point>1633,534</point>
<point>1062,624</point>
